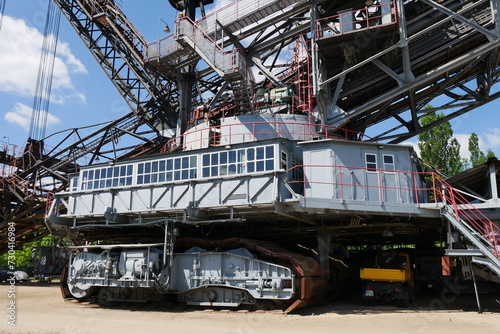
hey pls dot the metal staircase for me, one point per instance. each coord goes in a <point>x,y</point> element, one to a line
<point>475,226</point>
<point>169,54</point>
<point>229,64</point>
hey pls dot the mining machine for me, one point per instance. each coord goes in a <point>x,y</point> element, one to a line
<point>260,165</point>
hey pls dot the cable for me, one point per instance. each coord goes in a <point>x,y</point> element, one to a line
<point>45,73</point>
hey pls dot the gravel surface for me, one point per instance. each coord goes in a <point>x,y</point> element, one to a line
<point>40,309</point>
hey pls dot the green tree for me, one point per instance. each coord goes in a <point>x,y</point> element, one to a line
<point>438,147</point>
<point>490,154</point>
<point>477,156</point>
<point>23,256</point>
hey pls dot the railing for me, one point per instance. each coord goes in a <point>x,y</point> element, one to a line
<point>227,61</point>
<point>357,20</point>
<point>231,13</point>
<point>409,187</point>
<point>236,11</point>
<point>423,187</point>
<point>464,211</point>
<point>9,153</point>
<point>112,10</point>
<point>307,131</point>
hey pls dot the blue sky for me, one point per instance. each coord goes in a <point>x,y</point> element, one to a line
<point>83,95</point>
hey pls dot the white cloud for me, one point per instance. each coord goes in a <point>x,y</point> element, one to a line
<point>463,140</point>
<point>492,136</point>
<point>20,48</point>
<point>489,139</point>
<point>21,115</point>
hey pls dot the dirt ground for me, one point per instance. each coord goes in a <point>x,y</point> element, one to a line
<point>40,309</point>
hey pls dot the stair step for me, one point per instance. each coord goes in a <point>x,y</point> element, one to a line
<point>488,263</point>
<point>463,252</point>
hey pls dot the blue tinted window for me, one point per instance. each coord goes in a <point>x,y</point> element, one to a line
<point>260,153</point>
<point>260,166</point>
<point>192,173</point>
<point>269,152</point>
<point>250,154</point>
<point>269,164</point>
<point>215,159</point>
<point>223,157</point>
<point>206,159</point>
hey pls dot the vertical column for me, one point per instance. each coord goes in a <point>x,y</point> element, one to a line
<point>314,48</point>
<point>404,41</point>
<point>493,183</point>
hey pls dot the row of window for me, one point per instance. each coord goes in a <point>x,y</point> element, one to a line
<point>175,169</point>
<point>248,160</point>
<point>107,177</point>
<point>256,159</point>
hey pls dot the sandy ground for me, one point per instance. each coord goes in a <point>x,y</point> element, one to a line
<point>40,309</point>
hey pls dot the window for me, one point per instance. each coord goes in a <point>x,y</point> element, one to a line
<point>371,162</point>
<point>284,160</point>
<point>74,183</point>
<point>389,163</point>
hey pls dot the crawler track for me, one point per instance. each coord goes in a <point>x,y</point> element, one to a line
<point>310,278</point>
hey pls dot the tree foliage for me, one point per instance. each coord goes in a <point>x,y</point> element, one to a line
<point>23,256</point>
<point>477,157</point>
<point>438,147</point>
